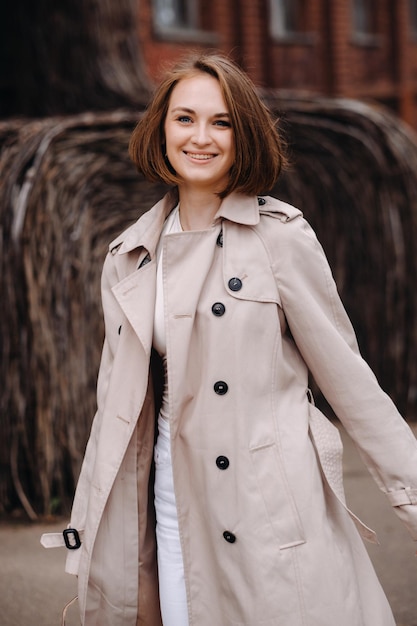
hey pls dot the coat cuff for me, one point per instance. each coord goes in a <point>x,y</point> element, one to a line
<point>402,496</point>
<point>404,502</point>
<point>72,563</point>
<point>57,540</point>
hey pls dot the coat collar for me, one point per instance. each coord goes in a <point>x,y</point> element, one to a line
<point>240,209</point>
<point>146,231</point>
<point>237,208</point>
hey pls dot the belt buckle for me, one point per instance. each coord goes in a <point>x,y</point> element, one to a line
<point>72,538</point>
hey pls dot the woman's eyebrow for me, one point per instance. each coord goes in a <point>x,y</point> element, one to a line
<point>187,110</point>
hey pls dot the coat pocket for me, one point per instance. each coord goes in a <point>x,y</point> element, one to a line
<point>328,444</point>
<point>278,500</point>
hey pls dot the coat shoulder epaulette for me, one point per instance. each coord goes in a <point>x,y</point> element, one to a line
<point>273,207</point>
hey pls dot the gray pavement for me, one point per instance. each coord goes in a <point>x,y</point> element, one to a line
<point>34,587</point>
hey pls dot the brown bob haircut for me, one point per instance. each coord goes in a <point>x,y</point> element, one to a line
<point>258,145</point>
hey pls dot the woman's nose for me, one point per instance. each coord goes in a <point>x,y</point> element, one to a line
<point>201,135</point>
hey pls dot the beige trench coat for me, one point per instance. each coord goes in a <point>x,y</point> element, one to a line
<point>266,540</point>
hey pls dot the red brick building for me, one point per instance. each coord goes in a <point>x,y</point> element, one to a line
<point>356,48</point>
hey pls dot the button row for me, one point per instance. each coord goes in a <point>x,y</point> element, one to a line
<point>220,387</point>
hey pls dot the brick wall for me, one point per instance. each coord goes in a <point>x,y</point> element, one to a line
<point>325,58</point>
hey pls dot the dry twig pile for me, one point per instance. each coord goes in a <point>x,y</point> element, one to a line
<point>355,178</point>
<point>68,189</point>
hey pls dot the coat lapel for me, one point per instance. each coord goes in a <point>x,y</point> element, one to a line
<point>136,296</point>
<point>135,252</point>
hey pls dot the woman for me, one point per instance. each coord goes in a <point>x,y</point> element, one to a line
<point>217,304</point>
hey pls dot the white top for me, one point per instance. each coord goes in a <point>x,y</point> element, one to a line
<point>172,225</point>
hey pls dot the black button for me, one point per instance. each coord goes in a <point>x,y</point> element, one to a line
<point>222,462</point>
<point>218,309</point>
<point>235,284</point>
<point>230,537</point>
<point>219,241</point>
<point>261,201</point>
<point>220,387</point>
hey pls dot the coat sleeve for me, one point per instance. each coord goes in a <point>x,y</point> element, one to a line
<point>326,340</point>
<point>81,498</point>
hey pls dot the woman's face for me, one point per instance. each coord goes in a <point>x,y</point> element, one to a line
<point>198,134</point>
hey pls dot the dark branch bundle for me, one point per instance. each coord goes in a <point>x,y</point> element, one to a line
<point>68,188</point>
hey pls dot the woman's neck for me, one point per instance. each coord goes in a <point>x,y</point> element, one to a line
<point>197,209</point>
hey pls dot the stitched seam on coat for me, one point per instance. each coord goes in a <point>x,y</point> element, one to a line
<point>300,587</point>
<point>271,264</point>
<point>123,419</point>
<point>329,283</point>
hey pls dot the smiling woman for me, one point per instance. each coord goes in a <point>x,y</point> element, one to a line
<point>255,132</point>
<point>199,146</point>
<point>211,489</point>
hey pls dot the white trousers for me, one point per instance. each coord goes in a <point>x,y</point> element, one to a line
<point>172,592</point>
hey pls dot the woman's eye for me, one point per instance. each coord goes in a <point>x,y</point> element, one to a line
<point>185,119</point>
<point>223,123</point>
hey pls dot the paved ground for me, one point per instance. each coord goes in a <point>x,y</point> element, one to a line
<point>34,588</point>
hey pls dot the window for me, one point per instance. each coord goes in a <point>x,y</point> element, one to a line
<point>286,17</point>
<point>412,5</point>
<point>363,17</point>
<point>185,21</point>
<point>176,14</point>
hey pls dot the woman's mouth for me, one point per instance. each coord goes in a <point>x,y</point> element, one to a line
<point>200,156</point>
